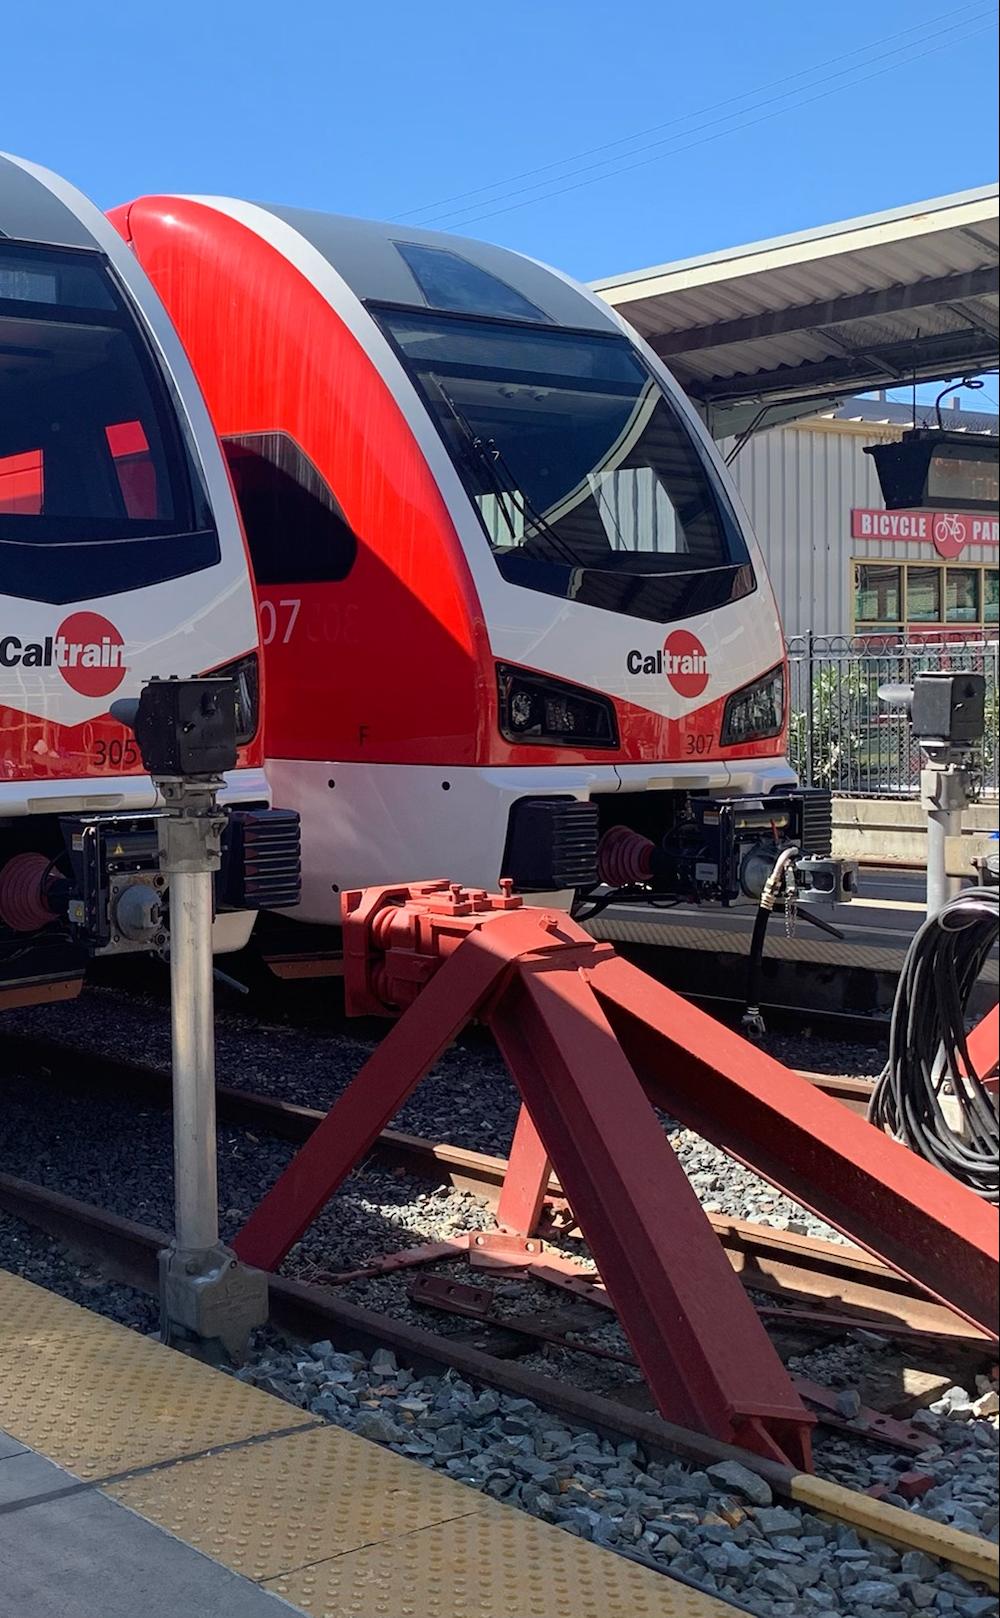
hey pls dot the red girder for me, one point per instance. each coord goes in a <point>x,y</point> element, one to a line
<point>589,1041</point>
<point>876,1191</point>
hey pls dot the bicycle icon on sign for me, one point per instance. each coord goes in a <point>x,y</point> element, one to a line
<point>949,533</point>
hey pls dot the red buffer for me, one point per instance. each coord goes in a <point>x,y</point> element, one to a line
<point>589,1039</point>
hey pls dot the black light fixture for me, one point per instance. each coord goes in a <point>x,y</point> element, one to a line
<point>938,469</point>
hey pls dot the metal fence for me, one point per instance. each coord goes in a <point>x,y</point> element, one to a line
<point>844,737</point>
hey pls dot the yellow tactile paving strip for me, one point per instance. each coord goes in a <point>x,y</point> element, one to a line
<point>289,1501</point>
<point>99,1399</point>
<point>337,1526</point>
<point>492,1562</point>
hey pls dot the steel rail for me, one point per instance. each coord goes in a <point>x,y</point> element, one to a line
<point>128,1251</point>
<point>818,1282</point>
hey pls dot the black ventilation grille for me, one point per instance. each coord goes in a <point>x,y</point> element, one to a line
<point>263,865</point>
<point>817,821</point>
<point>551,845</point>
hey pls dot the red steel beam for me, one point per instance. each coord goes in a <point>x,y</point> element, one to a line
<point>526,1180</point>
<point>590,1040</point>
<point>879,1193</point>
<point>374,1096</point>
<point>471,966</point>
<point>696,1337</point>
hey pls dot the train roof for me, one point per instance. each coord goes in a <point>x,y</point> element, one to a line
<point>31,210</point>
<point>400,264</point>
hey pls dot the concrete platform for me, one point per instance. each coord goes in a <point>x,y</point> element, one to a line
<point>138,1483</point>
<point>68,1551</point>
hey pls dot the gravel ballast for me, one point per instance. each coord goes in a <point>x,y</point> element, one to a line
<point>109,1152</point>
<point>720,1528</point>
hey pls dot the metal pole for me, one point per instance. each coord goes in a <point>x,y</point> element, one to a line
<point>208,1300</point>
<point>810,676</point>
<point>196,1216</point>
<point>944,794</point>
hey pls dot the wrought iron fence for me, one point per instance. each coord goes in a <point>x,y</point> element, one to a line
<point>844,737</point>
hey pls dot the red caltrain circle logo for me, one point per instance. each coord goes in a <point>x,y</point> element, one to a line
<point>685,663</point>
<point>89,653</point>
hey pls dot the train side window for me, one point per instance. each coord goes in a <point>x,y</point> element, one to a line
<point>295,527</point>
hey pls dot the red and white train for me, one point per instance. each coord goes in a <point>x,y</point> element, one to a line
<point>511,606</point>
<point>121,557</point>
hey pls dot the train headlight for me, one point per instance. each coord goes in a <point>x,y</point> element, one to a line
<point>756,711</point>
<point>245,676</point>
<point>535,709</point>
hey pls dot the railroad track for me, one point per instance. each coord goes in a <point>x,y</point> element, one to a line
<point>819,1284</point>
<point>800,1284</point>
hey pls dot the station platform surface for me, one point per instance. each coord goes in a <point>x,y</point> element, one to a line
<point>136,1481</point>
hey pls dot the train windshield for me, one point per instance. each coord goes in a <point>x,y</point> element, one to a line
<point>587,480</point>
<point>97,493</point>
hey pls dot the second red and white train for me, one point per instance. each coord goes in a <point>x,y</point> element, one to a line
<point>515,619</point>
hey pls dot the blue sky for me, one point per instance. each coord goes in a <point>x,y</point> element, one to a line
<point>757,119</point>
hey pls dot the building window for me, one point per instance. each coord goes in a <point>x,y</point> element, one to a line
<point>923,595</point>
<point>890,596</point>
<point>962,595</point>
<point>877,594</point>
<point>295,528</point>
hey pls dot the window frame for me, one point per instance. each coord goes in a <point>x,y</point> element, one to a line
<point>709,588</point>
<point>904,623</point>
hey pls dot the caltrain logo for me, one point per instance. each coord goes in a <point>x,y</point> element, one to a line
<point>87,650</point>
<point>683,660</point>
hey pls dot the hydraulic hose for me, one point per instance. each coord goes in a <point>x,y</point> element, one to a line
<point>929,1066</point>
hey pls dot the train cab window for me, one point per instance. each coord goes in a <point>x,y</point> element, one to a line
<point>21,484</point>
<point>95,480</point>
<point>295,528</point>
<point>585,476</point>
<point>135,467</point>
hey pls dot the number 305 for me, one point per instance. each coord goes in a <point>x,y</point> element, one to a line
<point>117,754</point>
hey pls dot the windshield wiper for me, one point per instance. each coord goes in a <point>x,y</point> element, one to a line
<point>486,461</point>
<point>491,459</point>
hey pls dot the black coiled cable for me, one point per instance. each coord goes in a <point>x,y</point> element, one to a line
<point>928,1048</point>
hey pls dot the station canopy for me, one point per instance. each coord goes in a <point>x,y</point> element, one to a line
<point>778,329</point>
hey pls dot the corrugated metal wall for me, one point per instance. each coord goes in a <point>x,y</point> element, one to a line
<point>799,485</point>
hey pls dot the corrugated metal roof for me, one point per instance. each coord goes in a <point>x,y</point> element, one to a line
<point>856,305</point>
<point>895,413</point>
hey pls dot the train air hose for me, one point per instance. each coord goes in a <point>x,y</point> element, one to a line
<point>928,1055</point>
<point>752,1021</point>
